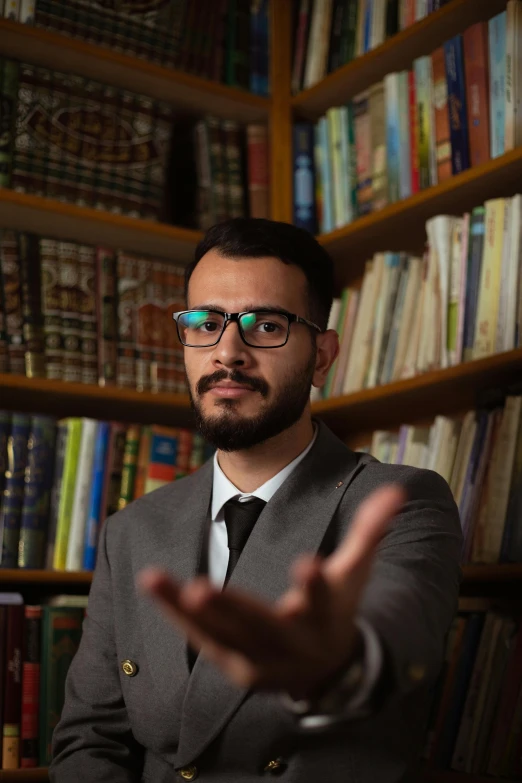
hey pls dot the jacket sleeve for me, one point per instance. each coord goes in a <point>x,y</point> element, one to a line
<point>93,741</point>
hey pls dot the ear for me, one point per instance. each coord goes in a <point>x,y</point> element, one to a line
<point>327,352</point>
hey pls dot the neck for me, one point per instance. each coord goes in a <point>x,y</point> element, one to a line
<point>250,468</point>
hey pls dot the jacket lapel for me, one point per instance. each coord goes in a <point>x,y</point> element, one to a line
<point>174,544</point>
<point>294,521</point>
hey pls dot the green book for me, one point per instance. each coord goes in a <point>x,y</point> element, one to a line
<point>72,451</point>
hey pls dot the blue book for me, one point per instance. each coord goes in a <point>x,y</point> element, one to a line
<point>393,140</point>
<point>497,82</point>
<point>368,25</point>
<point>474,263</point>
<point>462,677</point>
<point>259,47</point>
<point>304,181</point>
<point>458,118</point>
<point>95,501</point>
<point>13,497</point>
<point>325,154</point>
<point>37,492</point>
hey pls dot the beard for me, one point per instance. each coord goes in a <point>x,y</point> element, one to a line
<point>229,431</point>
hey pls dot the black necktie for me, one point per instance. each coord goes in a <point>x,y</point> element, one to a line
<point>240,518</point>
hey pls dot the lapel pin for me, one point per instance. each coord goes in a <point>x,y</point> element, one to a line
<point>339,484</point>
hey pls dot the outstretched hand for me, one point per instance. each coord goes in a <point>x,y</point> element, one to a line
<point>296,644</point>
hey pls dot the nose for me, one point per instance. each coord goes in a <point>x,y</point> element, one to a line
<point>231,351</point>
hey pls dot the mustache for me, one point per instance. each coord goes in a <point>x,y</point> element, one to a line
<point>206,382</point>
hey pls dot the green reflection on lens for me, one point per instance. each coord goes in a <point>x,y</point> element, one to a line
<point>248,320</point>
<point>195,319</point>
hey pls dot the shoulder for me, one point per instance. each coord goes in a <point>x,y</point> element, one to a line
<point>418,482</point>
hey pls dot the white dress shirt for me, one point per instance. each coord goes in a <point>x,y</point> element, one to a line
<point>222,491</point>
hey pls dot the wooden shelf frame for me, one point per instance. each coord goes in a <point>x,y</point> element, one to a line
<point>24,775</point>
<point>395,54</point>
<point>188,93</point>
<point>401,226</point>
<point>449,391</point>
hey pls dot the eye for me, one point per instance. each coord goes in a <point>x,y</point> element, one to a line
<point>268,327</point>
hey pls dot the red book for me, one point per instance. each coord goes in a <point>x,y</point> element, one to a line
<point>442,126</point>
<point>258,180</point>
<point>477,91</point>
<point>415,175</point>
<point>31,687</point>
<point>12,673</point>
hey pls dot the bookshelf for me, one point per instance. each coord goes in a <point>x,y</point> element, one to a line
<point>448,391</point>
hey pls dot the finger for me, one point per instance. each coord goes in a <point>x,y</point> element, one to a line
<point>309,598</point>
<point>371,522</point>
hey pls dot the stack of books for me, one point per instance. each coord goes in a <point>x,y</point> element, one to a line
<point>62,479</point>
<point>37,645</point>
<point>223,40</point>
<point>480,456</point>
<point>457,108</point>
<point>475,722</point>
<point>331,33</point>
<point>462,300</point>
<point>89,314</point>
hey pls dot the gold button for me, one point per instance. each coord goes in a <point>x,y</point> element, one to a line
<point>273,765</point>
<point>417,672</point>
<point>188,773</point>
<point>129,668</point>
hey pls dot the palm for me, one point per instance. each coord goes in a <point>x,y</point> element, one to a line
<point>303,638</point>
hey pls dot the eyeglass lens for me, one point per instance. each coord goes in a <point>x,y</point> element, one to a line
<point>261,329</point>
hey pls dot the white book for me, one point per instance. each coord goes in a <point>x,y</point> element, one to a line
<point>440,232</point>
<point>12,10</point>
<point>465,444</point>
<point>517,74</point>
<point>411,300</point>
<point>464,247</point>
<point>404,136</point>
<point>490,277</point>
<point>454,290</point>
<point>27,10</point>
<point>318,43</point>
<point>380,310</point>
<point>378,30</point>
<point>82,489</point>
<point>416,450</point>
<point>449,437</point>
<point>391,344</point>
<point>421,9</point>
<point>512,276</point>
<point>359,355</point>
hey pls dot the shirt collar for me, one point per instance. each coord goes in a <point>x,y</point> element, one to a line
<point>223,490</point>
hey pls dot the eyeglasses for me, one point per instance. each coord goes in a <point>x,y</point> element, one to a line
<point>257,328</point>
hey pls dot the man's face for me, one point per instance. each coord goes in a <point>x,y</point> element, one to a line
<point>244,395</point>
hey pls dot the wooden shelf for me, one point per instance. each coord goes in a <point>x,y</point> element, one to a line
<point>448,776</point>
<point>47,217</point>
<point>401,226</point>
<point>188,93</point>
<point>61,399</point>
<point>22,576</point>
<point>24,775</point>
<point>443,392</point>
<point>502,572</point>
<point>395,54</point>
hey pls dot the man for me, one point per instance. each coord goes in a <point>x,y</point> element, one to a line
<point>318,659</point>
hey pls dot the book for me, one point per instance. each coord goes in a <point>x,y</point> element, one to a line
<point>12,501</point>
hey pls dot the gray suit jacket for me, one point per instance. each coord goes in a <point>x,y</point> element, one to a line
<point>119,728</point>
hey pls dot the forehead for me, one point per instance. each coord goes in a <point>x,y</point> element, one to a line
<point>234,284</point>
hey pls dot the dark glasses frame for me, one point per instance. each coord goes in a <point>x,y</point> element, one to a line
<point>236,317</point>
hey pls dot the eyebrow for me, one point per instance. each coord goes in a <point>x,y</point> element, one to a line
<point>248,308</point>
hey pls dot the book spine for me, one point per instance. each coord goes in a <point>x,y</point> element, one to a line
<point>145,324</point>
<point>258,183</point>
<point>163,457</point>
<point>106,316</point>
<point>4,340</point>
<point>5,428</point>
<point>158,327</point>
<point>88,344</point>
<point>130,462</point>
<point>12,291</point>
<point>8,120</point>
<point>37,492</point>
<point>378,116</point>
<point>56,491</point>
<point>94,513</point>
<point>112,485</point>
<point>404,137</point>
<point>82,491</point>
<point>67,493</point>
<point>487,308</point>
<point>476,245</point>
<point>51,308</point>
<point>13,497</point>
<point>172,345</point>
<point>442,127</point>
<point>477,91</point>
<point>303,167</point>
<point>422,92</point>
<point>453,56</point>
<point>127,320</point>
<point>11,745</point>
<point>361,110</point>
<point>414,151</point>
<point>233,169</point>
<point>70,311</point>
<point>391,85</point>
<point>301,37</point>
<point>33,332</point>
<point>497,84</point>
<point>31,660</point>
<point>327,223</point>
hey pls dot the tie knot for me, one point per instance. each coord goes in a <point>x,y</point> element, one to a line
<point>240,518</point>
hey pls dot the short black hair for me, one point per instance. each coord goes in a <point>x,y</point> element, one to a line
<point>257,237</point>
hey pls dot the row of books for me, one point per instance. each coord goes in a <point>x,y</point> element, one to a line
<point>62,479</point>
<point>461,301</point>
<point>89,314</point>
<point>480,456</point>
<point>475,724</point>
<point>330,33</point>
<point>457,108</point>
<point>223,40</point>
<point>37,645</point>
